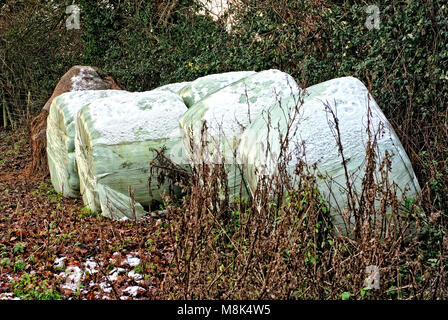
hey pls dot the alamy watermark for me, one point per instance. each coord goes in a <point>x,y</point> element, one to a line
<point>74,19</point>
<point>373,278</point>
<point>373,20</point>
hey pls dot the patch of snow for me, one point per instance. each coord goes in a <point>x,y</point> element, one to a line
<point>91,266</point>
<point>174,87</point>
<point>79,81</point>
<point>158,213</point>
<point>132,261</point>
<point>105,287</point>
<point>71,102</point>
<point>204,86</point>
<point>59,262</point>
<point>74,275</point>
<point>115,272</point>
<point>134,290</point>
<point>8,296</point>
<point>228,108</point>
<point>128,118</point>
<point>134,275</point>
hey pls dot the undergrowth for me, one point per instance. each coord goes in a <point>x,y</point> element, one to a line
<point>283,242</point>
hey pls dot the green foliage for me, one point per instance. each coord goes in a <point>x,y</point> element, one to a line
<point>403,60</point>
<point>29,288</point>
<point>346,295</point>
<point>36,49</point>
<point>19,247</point>
<point>86,212</point>
<point>5,263</point>
<point>128,42</point>
<point>19,265</point>
<point>402,53</point>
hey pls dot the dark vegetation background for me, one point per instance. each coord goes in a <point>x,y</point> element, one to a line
<point>145,44</point>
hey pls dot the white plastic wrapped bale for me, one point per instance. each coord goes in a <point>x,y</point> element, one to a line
<point>204,86</point>
<point>61,137</point>
<point>350,100</point>
<point>114,138</point>
<point>227,112</point>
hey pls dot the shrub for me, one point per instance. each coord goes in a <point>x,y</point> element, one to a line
<point>36,50</point>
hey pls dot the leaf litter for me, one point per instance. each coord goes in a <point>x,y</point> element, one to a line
<point>52,247</point>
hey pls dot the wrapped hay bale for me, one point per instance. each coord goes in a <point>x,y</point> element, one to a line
<point>113,144</point>
<point>204,86</point>
<point>226,113</point>
<point>313,132</point>
<point>61,137</point>
<point>77,78</point>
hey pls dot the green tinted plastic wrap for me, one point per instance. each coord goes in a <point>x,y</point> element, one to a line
<point>227,112</point>
<point>349,99</point>
<point>204,86</point>
<point>114,138</point>
<point>61,137</point>
<point>174,87</point>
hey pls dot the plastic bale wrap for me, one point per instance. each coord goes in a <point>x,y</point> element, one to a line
<point>114,143</point>
<point>350,101</point>
<point>174,87</point>
<point>61,137</point>
<point>204,86</point>
<point>226,113</point>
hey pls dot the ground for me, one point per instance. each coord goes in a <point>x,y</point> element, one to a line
<point>53,247</point>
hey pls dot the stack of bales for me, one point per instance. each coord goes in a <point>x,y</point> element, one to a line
<point>61,137</point>
<point>226,113</point>
<point>314,131</point>
<point>114,145</point>
<point>100,143</point>
<point>163,106</point>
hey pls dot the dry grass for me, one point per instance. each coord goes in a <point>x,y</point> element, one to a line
<point>282,243</point>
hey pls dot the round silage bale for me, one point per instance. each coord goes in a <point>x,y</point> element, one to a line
<point>226,113</point>
<point>313,130</point>
<point>113,145</point>
<point>61,137</point>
